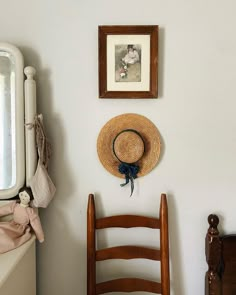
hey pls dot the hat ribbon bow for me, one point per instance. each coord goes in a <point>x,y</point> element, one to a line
<point>130,171</point>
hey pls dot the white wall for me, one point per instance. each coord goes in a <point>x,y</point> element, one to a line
<point>195,115</point>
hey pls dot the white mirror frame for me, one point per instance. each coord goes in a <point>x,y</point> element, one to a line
<point>26,153</point>
<point>19,124</point>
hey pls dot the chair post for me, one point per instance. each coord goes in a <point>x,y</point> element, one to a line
<point>213,256</point>
<point>164,246</point>
<point>91,251</point>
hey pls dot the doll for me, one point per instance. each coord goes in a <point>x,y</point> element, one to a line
<point>16,232</point>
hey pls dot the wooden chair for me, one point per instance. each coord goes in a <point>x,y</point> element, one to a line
<point>220,278</point>
<point>127,252</point>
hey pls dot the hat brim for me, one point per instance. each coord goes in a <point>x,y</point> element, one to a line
<point>147,130</point>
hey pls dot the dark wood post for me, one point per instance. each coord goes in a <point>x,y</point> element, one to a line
<point>165,276</point>
<point>213,256</point>
<point>91,252</point>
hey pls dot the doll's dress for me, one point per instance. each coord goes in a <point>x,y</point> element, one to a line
<point>16,232</point>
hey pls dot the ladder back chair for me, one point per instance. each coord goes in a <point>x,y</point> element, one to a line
<point>127,252</point>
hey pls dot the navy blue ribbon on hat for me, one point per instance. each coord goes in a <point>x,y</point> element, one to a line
<point>130,170</point>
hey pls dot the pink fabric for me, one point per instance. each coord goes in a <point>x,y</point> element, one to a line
<point>16,232</point>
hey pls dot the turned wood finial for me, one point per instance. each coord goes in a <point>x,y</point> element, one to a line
<point>213,221</point>
<point>30,72</point>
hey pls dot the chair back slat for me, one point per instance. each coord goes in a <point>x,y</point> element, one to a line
<point>127,252</point>
<point>128,285</point>
<point>127,221</point>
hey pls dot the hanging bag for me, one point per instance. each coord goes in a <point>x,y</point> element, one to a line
<point>41,184</point>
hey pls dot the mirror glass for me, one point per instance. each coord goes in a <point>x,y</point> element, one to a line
<point>7,121</point>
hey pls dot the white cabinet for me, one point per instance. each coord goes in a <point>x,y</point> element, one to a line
<point>18,269</point>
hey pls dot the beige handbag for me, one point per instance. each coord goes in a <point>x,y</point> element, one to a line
<point>41,184</point>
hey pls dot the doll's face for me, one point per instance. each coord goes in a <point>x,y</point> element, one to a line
<point>24,198</point>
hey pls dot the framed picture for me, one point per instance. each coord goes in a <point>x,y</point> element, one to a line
<point>128,61</point>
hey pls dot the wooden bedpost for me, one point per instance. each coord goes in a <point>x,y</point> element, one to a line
<point>213,257</point>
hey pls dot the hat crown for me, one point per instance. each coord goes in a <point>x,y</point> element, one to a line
<point>128,146</point>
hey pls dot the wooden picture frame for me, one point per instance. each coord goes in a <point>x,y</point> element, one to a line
<point>128,61</point>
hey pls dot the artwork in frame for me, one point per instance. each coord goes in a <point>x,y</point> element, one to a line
<point>128,61</point>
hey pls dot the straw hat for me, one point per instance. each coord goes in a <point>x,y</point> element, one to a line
<point>129,139</point>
